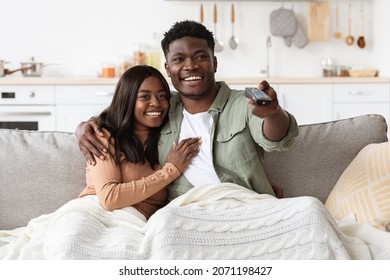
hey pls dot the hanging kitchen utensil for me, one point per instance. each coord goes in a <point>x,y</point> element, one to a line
<point>218,43</point>
<point>318,27</point>
<point>233,41</point>
<point>201,16</point>
<point>361,42</point>
<point>337,34</point>
<point>349,40</point>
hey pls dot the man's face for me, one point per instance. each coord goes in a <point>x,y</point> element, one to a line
<point>191,66</point>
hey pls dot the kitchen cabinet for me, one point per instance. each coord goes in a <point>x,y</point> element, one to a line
<point>309,103</point>
<point>350,100</point>
<point>75,104</point>
<point>310,100</point>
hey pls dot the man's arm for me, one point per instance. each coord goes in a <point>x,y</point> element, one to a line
<point>87,140</point>
<point>276,120</point>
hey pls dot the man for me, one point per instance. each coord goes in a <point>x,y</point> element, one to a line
<point>235,132</point>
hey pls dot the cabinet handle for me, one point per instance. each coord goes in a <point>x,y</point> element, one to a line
<point>104,93</point>
<point>356,93</point>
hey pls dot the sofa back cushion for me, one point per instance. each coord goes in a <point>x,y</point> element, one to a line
<point>40,171</point>
<point>321,153</point>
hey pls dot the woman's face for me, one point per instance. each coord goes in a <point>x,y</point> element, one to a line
<point>151,106</point>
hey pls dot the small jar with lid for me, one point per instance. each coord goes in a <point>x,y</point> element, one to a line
<point>108,70</point>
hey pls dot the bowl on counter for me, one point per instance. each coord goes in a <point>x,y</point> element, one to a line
<point>363,72</point>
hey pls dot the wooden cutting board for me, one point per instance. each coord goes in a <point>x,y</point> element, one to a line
<point>318,21</point>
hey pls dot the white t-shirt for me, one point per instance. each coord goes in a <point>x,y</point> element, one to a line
<point>201,171</point>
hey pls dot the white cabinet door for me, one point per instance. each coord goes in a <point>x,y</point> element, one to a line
<point>351,100</point>
<point>79,103</point>
<point>309,103</point>
<point>69,116</point>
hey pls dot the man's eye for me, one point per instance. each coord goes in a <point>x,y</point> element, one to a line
<point>201,56</point>
<point>177,59</point>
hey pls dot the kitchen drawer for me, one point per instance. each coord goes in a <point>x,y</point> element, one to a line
<point>27,95</point>
<point>343,110</point>
<point>351,93</point>
<point>309,103</point>
<point>78,95</point>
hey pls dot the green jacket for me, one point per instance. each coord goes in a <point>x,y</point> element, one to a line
<point>238,144</point>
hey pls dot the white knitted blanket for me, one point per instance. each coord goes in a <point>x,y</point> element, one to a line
<point>222,221</point>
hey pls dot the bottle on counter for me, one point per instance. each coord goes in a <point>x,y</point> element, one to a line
<point>154,54</point>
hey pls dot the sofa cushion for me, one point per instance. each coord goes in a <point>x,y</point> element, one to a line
<point>40,171</point>
<point>321,153</point>
<point>364,188</point>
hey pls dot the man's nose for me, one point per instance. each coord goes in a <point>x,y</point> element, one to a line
<point>190,63</point>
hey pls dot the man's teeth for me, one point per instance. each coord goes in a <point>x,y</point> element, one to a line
<point>192,78</point>
<point>153,113</point>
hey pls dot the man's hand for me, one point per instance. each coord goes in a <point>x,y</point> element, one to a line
<point>264,111</point>
<point>276,120</point>
<point>89,145</point>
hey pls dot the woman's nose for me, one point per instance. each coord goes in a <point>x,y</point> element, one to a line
<point>154,101</point>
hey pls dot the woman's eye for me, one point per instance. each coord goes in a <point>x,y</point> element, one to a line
<point>163,96</point>
<point>144,97</point>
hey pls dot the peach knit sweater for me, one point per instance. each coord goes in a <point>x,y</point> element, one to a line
<point>128,184</point>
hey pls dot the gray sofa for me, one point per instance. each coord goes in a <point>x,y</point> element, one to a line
<point>40,171</point>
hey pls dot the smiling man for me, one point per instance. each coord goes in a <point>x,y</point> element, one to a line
<point>235,133</point>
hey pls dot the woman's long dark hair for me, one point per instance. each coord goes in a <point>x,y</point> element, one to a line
<point>118,117</point>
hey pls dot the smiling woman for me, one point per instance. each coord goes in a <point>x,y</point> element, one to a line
<point>131,127</point>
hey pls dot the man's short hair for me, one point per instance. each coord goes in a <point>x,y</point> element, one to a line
<point>187,28</point>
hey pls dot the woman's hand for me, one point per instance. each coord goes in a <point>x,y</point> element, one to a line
<point>181,154</point>
<point>89,145</point>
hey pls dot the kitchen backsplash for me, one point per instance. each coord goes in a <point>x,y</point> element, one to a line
<point>86,36</point>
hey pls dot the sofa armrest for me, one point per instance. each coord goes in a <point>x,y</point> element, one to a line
<point>321,153</point>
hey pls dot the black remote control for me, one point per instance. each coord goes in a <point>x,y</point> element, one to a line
<point>259,97</point>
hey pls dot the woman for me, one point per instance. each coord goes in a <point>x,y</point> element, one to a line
<point>131,174</point>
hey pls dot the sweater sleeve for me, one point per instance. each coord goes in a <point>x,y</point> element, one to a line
<point>113,193</point>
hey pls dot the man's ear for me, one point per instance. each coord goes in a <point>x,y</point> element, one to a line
<point>215,64</point>
<point>167,69</point>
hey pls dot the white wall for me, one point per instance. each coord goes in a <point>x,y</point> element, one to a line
<point>85,33</point>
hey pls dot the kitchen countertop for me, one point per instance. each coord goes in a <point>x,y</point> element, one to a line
<point>252,80</point>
